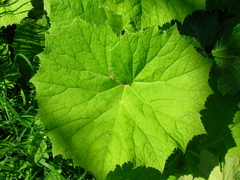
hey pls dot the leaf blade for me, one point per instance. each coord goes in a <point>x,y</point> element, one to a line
<point>95,118</point>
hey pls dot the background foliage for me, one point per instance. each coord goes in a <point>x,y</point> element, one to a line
<point>212,28</point>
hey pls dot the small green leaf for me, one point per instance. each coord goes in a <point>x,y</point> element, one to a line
<point>37,150</point>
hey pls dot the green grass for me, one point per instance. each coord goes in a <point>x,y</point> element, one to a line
<point>25,150</point>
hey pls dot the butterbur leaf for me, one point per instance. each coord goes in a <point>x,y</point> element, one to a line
<point>13,11</point>
<point>147,13</point>
<point>107,100</point>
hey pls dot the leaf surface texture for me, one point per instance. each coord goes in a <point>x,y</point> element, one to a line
<point>106,98</point>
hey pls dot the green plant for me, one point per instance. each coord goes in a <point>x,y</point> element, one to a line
<point>25,152</point>
<point>127,89</point>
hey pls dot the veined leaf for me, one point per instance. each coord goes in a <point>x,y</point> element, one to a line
<point>147,13</point>
<point>106,100</point>
<point>13,11</point>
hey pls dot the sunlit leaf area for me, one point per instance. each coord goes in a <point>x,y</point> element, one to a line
<point>120,90</point>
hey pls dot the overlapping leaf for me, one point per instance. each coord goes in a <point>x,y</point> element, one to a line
<point>227,57</point>
<point>62,13</point>
<point>231,7</point>
<point>147,13</point>
<point>217,116</point>
<point>13,11</point>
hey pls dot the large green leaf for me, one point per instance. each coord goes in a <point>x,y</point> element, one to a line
<point>13,11</point>
<point>106,100</point>
<point>147,13</point>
